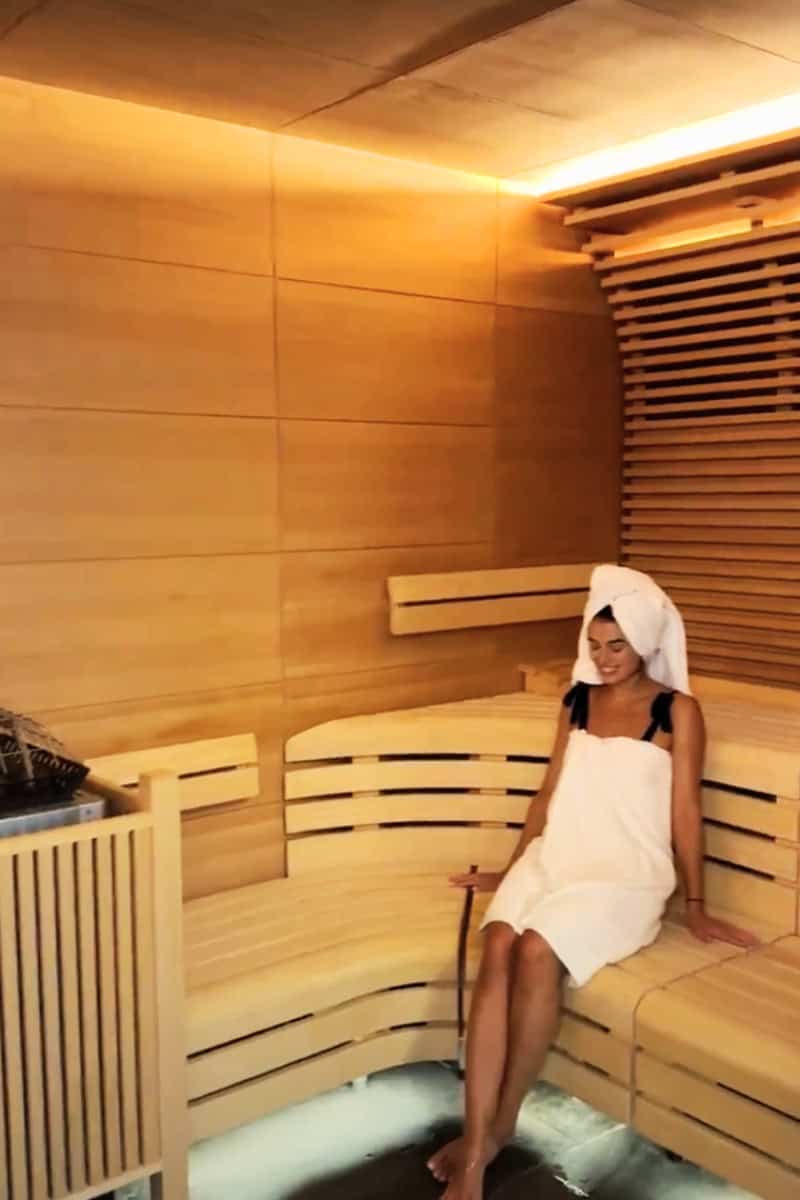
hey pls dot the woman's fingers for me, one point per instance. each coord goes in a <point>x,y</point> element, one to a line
<point>748,940</point>
<point>736,936</point>
<point>482,881</point>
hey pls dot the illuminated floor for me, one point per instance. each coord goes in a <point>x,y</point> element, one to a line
<point>369,1142</point>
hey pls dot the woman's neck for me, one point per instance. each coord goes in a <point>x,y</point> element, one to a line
<point>627,688</point>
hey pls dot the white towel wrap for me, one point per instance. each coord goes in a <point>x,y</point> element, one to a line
<point>647,617</point>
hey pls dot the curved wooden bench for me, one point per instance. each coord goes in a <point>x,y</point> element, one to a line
<point>348,966</point>
<point>717,1068</point>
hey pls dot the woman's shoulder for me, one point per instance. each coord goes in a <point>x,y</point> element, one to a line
<point>576,692</point>
<point>684,703</point>
<point>686,711</point>
<point>575,706</point>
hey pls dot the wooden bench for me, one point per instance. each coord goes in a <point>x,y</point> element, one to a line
<point>348,966</point>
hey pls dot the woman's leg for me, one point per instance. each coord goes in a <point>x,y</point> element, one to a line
<point>487,1037</point>
<point>530,1022</point>
<point>533,1020</point>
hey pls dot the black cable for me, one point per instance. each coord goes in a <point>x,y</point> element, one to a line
<point>461,975</point>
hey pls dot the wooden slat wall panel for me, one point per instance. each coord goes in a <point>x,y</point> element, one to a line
<point>710,349</point>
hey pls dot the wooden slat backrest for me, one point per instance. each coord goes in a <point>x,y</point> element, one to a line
<point>451,783</point>
<point>465,599</point>
<point>212,771</point>
<point>447,785</point>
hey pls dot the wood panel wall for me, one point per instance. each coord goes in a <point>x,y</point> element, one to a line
<point>242,380</point>
<point>710,343</point>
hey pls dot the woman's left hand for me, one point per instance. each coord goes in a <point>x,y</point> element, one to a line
<point>709,929</point>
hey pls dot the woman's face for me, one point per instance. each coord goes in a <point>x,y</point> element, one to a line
<point>611,652</point>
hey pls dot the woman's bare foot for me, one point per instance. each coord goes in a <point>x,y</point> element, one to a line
<point>443,1163</point>
<point>466,1182</point>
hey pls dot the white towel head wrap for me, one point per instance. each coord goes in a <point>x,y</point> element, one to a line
<point>647,617</point>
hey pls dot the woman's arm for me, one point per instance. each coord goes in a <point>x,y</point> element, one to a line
<point>688,752</point>
<point>487,881</point>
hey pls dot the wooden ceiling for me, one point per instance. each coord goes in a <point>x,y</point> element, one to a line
<point>495,86</point>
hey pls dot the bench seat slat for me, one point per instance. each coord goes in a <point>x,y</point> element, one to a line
<point>734,1029</point>
<point>347,1022</point>
<point>228,1109</point>
<point>743,1119</point>
<point>452,848</point>
<point>716,1152</point>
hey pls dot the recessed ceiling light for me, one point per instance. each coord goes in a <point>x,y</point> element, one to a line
<point>759,121</point>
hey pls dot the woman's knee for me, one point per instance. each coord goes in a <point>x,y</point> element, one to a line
<point>499,941</point>
<point>534,956</point>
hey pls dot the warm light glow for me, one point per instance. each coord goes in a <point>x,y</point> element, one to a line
<point>771,118</point>
<point>686,237</point>
<point>782,216</point>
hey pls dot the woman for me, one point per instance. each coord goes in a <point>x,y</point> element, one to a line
<point>593,870</point>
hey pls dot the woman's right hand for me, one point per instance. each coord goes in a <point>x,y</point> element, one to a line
<point>479,881</point>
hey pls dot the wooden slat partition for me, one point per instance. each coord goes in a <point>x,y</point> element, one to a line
<point>466,599</point>
<point>707,322</point>
<point>79,1075</point>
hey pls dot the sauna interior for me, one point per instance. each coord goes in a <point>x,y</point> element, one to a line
<point>339,342</point>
